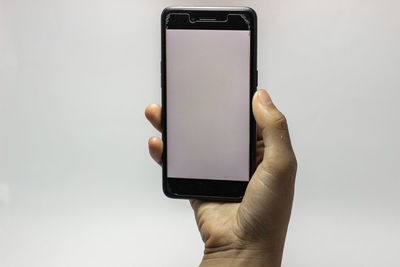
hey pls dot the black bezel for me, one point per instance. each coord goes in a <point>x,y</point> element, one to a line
<point>205,189</point>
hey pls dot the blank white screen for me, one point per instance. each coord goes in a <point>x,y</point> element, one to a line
<point>208,74</point>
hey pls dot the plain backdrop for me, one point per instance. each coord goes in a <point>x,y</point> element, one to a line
<point>78,188</point>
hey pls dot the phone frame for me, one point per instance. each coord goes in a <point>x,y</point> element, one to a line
<point>206,189</point>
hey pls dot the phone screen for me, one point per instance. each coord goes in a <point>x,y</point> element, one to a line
<point>208,83</point>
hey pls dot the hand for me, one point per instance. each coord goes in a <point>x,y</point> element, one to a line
<point>250,233</point>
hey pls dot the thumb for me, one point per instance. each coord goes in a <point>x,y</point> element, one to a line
<point>279,158</point>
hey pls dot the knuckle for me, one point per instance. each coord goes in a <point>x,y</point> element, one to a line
<point>281,165</point>
<point>280,122</point>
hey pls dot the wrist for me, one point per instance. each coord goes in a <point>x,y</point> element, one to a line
<point>248,258</point>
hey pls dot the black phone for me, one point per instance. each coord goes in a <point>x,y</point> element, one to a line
<point>208,78</point>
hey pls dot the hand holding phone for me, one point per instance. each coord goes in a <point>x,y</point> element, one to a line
<point>250,233</point>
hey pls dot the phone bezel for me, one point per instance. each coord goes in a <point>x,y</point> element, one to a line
<point>206,189</point>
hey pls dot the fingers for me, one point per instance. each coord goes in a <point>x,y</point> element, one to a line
<point>156,147</point>
<point>278,153</point>
<point>153,114</point>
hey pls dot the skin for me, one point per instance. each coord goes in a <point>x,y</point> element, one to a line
<point>253,232</point>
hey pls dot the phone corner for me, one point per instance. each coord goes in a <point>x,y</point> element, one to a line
<point>166,10</point>
<point>251,11</point>
<point>166,190</point>
<point>168,194</point>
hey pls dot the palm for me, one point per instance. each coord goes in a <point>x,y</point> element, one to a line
<point>218,221</point>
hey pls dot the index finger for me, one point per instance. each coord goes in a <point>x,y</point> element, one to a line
<point>153,114</point>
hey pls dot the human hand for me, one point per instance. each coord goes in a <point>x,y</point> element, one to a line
<point>253,232</point>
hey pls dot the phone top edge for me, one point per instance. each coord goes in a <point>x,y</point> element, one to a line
<point>171,9</point>
<point>208,7</point>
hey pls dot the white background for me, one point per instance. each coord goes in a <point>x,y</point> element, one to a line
<point>77,187</point>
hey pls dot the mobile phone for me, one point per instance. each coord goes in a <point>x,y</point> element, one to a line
<point>208,78</point>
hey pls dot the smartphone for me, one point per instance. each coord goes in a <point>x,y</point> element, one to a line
<point>208,78</point>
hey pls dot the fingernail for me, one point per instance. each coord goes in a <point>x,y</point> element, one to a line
<point>264,97</point>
